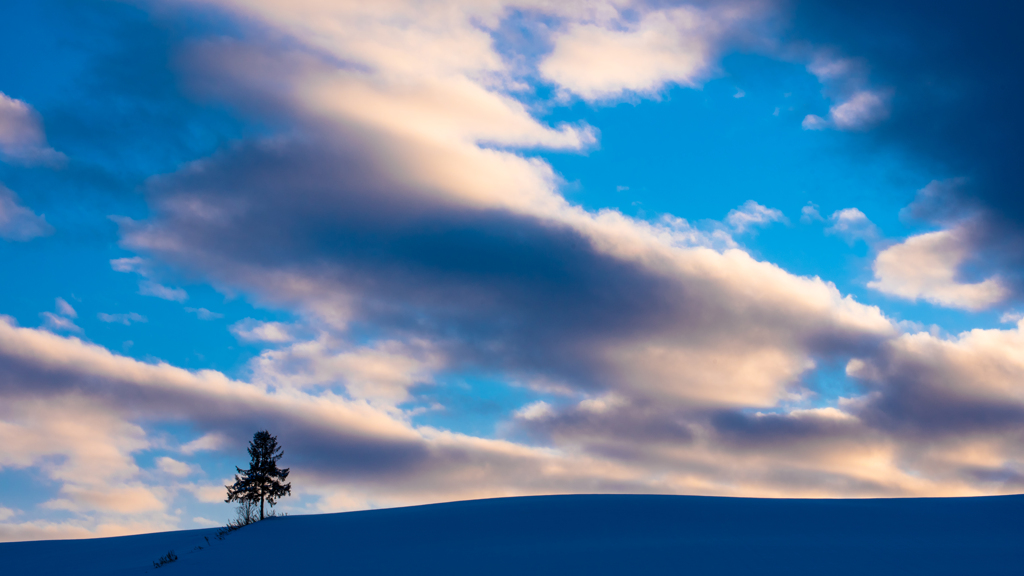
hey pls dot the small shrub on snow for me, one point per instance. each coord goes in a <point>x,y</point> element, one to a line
<point>166,559</point>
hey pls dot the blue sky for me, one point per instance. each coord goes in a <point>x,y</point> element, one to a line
<point>453,251</point>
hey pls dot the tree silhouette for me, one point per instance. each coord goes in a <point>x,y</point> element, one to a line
<point>263,481</point>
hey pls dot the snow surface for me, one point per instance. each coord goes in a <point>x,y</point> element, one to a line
<point>586,534</point>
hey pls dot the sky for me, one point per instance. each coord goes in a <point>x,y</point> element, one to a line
<point>478,248</point>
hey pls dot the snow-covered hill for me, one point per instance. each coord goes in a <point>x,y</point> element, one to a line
<point>589,534</point>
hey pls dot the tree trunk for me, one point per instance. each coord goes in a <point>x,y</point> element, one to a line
<point>261,507</point>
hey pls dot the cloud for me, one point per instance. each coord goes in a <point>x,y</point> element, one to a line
<point>44,530</point>
<point>325,435</point>
<point>596,308</point>
<point>468,258</point>
<point>535,411</point>
<point>204,314</point>
<point>862,111</point>
<point>609,442</point>
<point>125,319</point>
<point>927,266</point>
<point>63,322</point>
<point>18,223</point>
<point>148,286</point>
<point>1011,317</point>
<point>210,494</point>
<point>959,389</point>
<point>173,467</point>
<point>22,139</point>
<point>422,230</point>
<point>65,309</point>
<point>752,214</point>
<point>814,122</point>
<point>810,214</point>
<point>133,264</point>
<point>59,323</point>
<point>104,388</point>
<point>974,255</point>
<point>936,415</point>
<point>381,373</point>
<point>944,94</point>
<point>680,357</point>
<point>251,330</point>
<point>115,499</point>
<point>151,288</point>
<point>603,403</point>
<point>852,225</point>
<point>858,106</point>
<point>605,59</point>
<point>943,202</point>
<point>212,441</point>
<point>78,444</point>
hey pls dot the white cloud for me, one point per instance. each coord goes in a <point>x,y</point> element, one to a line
<point>752,214</point>
<point>210,493</point>
<point>73,529</point>
<point>252,330</point>
<point>1011,317</point>
<point>861,111</point>
<point>810,214</point>
<point>133,264</point>
<point>206,442</point>
<point>99,474</point>
<point>423,178</point>
<point>18,223</point>
<point>600,60</point>
<point>814,122</point>
<point>151,288</point>
<point>204,314</point>
<point>169,465</point>
<point>148,286</point>
<point>380,374</point>
<point>669,316</point>
<point>59,323</point>
<point>964,386</point>
<point>852,225</point>
<point>65,309</point>
<point>829,68</point>
<point>603,404</point>
<point>927,266</point>
<point>858,106</point>
<point>22,139</point>
<point>205,523</point>
<point>535,411</point>
<point>78,443</point>
<point>125,319</point>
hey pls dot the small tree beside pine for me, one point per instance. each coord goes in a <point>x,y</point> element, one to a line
<point>263,481</point>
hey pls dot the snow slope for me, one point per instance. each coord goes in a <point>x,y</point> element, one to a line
<point>587,534</point>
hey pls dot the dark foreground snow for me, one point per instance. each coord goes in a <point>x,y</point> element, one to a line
<point>629,535</point>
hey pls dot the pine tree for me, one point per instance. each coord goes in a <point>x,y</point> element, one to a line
<point>263,481</point>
